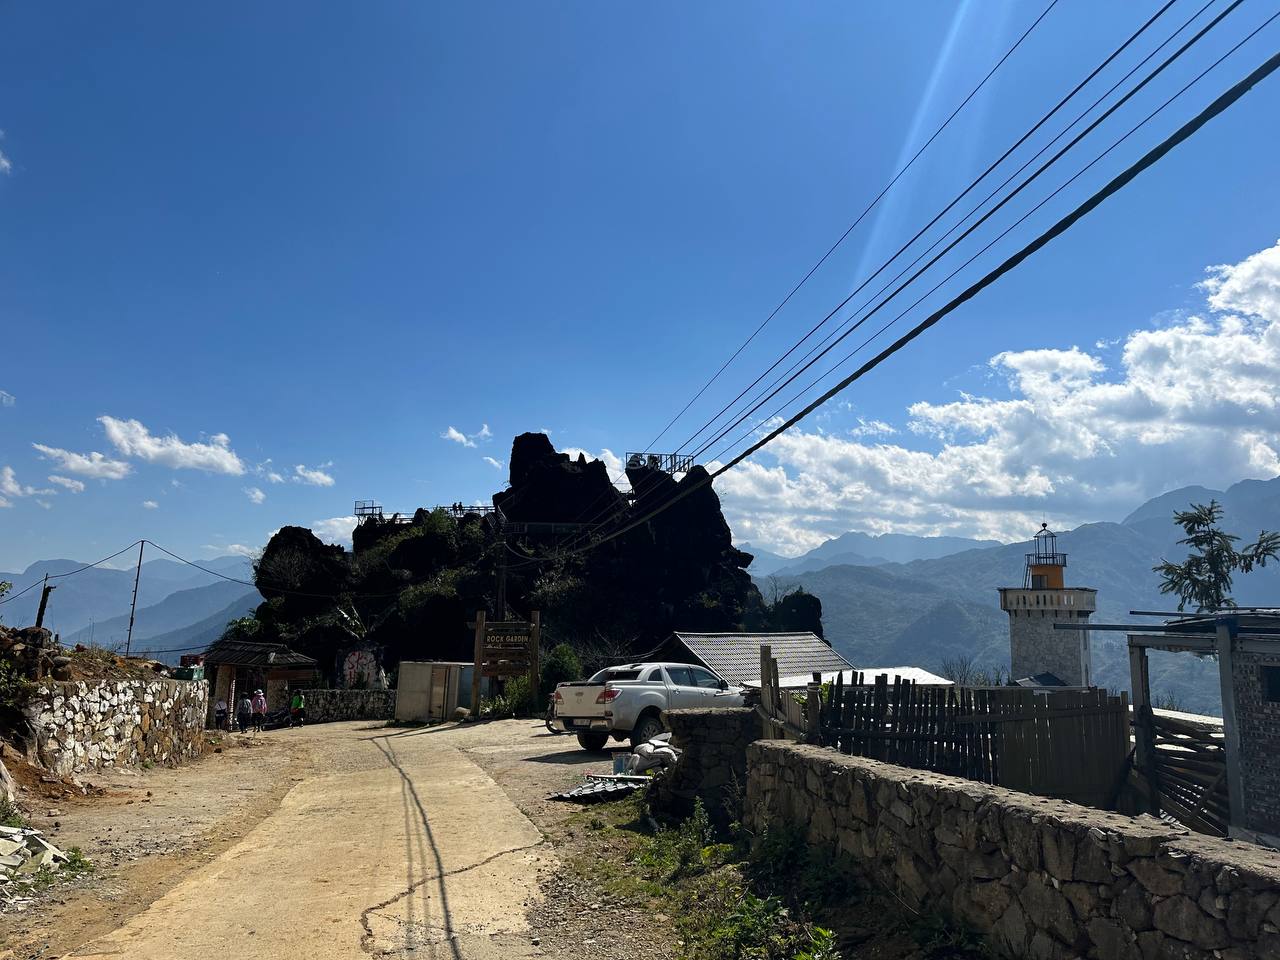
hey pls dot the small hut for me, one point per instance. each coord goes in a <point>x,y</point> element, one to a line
<point>234,666</point>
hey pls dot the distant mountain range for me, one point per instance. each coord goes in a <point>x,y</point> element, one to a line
<point>861,549</point>
<point>176,602</point>
<point>925,610</point>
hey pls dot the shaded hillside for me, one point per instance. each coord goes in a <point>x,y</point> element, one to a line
<point>196,636</point>
<point>408,590</point>
<point>927,610</point>
<point>178,610</point>
<point>99,594</point>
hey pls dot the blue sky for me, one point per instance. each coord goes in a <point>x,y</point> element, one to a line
<point>322,235</point>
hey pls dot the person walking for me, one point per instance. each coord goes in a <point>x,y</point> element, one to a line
<point>244,713</point>
<point>259,710</point>
<point>220,715</point>
<point>297,709</point>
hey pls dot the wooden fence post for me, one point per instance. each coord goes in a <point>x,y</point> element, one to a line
<point>475,676</point>
<point>813,712</point>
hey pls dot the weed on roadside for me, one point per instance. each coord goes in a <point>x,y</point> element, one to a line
<point>11,815</point>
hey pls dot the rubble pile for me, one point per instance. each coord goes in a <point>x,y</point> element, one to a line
<point>34,652</point>
<point>23,853</point>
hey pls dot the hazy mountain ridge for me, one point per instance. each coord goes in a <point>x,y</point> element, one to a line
<point>101,596</point>
<point>926,610</point>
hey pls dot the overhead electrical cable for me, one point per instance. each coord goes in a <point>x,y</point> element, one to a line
<point>1103,117</point>
<point>992,243</point>
<point>1149,159</point>
<point>1022,140</point>
<point>869,207</point>
<point>983,219</point>
<point>69,573</point>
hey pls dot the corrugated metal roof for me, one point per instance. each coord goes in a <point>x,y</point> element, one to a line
<point>736,656</point>
<point>250,653</point>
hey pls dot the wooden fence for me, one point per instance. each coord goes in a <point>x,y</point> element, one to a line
<point>1073,744</point>
<point>1191,774</point>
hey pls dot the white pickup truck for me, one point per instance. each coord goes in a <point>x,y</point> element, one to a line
<point>627,701</point>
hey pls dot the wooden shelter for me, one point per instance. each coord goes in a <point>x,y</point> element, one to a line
<point>234,666</point>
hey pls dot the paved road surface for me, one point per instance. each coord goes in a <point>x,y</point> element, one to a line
<point>396,845</point>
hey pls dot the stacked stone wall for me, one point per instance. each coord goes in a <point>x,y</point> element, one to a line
<point>1040,878</point>
<point>325,706</point>
<point>81,725</point>
<point>713,762</point>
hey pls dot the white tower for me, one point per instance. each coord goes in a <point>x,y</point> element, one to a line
<point>1035,647</point>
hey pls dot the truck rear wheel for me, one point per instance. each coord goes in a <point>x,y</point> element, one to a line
<point>647,727</point>
<point>593,742</point>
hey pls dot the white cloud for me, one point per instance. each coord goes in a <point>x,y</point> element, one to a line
<point>334,530</point>
<point>496,464</point>
<point>4,503</point>
<point>240,550</point>
<point>316,476</point>
<point>133,439</point>
<point>7,399</point>
<point>268,472</point>
<point>93,465</point>
<point>75,486</point>
<point>44,503</point>
<point>150,505</point>
<point>1196,400</point>
<point>872,428</point>
<point>10,486</point>
<point>255,495</point>
<point>457,436</point>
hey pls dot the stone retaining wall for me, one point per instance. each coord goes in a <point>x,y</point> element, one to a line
<point>324,706</point>
<point>712,765</point>
<point>1041,878</point>
<point>84,726</point>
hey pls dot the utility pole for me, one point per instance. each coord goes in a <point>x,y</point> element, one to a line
<point>134,606</point>
<point>44,601</point>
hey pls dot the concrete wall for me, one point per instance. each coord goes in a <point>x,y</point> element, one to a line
<point>324,706</point>
<point>712,765</point>
<point>1041,878</point>
<point>84,726</point>
<point>1258,723</point>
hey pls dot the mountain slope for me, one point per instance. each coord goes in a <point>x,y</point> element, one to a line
<point>196,636</point>
<point>178,610</point>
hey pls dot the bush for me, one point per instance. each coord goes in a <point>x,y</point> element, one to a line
<point>520,697</point>
<point>560,666</point>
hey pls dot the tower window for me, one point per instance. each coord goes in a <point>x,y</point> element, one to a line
<point>1271,683</point>
<point>1039,581</point>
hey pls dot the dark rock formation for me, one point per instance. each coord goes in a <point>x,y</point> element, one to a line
<point>409,589</point>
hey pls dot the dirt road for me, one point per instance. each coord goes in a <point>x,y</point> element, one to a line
<point>357,840</point>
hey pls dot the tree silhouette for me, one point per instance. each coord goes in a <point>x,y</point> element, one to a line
<point>1204,578</point>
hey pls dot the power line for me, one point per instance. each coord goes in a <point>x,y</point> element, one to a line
<point>974,183</point>
<point>1030,132</point>
<point>1005,233</point>
<point>1113,186</point>
<point>70,573</point>
<point>870,206</point>
<point>990,213</point>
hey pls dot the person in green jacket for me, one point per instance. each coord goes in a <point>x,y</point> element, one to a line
<point>297,709</point>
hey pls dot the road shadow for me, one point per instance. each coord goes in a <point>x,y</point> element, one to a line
<point>572,758</point>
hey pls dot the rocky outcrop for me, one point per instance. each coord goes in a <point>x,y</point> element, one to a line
<point>1040,878</point>
<point>410,588</point>
<point>82,726</point>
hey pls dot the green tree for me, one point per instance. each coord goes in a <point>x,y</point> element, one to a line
<point>1204,578</point>
<point>5,587</point>
<point>559,666</point>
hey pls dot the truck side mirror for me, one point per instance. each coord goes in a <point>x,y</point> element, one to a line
<point>724,684</point>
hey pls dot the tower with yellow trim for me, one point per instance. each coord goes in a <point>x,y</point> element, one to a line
<point>1035,647</point>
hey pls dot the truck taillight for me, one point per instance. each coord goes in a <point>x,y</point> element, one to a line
<point>607,695</point>
<point>559,696</point>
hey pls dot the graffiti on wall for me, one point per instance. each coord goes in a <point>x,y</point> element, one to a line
<point>362,670</point>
